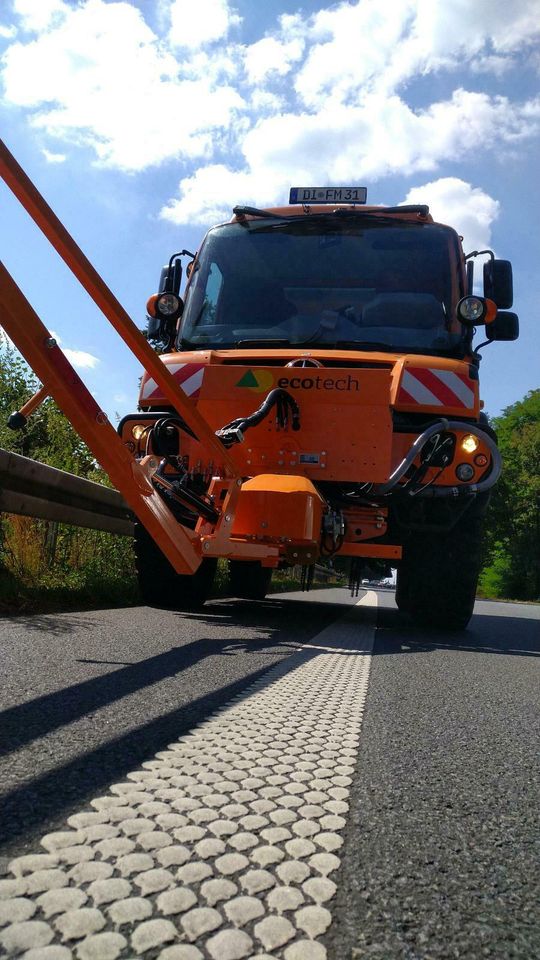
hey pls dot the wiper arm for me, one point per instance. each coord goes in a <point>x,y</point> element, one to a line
<point>364,344</point>
<point>242,212</point>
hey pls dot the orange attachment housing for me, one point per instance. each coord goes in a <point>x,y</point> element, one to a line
<point>270,504</point>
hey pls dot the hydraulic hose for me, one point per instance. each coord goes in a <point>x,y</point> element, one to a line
<point>444,425</point>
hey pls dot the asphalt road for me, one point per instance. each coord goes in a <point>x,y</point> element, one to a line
<point>441,837</point>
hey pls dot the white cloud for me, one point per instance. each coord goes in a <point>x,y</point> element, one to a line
<point>53,157</point>
<point>195,25</point>
<point>37,15</point>
<point>468,209</point>
<point>343,144</point>
<point>7,32</point>
<point>101,78</point>
<point>79,358</point>
<point>269,56</point>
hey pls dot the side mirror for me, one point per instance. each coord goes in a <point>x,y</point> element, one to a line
<point>498,284</point>
<point>505,326</point>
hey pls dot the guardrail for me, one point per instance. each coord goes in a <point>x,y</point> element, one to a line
<point>33,489</point>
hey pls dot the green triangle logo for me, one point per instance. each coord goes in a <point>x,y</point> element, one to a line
<point>248,380</point>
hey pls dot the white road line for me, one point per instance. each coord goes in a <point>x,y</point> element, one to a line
<point>222,846</point>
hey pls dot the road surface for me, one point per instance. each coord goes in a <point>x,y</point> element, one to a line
<point>303,778</point>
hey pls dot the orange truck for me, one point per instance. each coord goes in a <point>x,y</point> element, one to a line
<point>315,396</point>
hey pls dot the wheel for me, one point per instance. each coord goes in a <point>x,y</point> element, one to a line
<point>248,579</point>
<point>437,579</point>
<point>161,586</point>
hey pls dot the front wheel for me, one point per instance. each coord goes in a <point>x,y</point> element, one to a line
<point>438,576</point>
<point>248,579</point>
<point>161,586</point>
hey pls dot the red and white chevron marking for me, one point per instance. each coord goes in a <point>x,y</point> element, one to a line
<point>189,376</point>
<point>429,387</point>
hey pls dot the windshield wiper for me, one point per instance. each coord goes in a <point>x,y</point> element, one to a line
<point>263,343</point>
<point>242,212</point>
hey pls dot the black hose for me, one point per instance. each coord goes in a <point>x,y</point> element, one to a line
<point>234,431</point>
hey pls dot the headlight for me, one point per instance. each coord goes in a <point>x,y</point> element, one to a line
<point>167,304</point>
<point>470,443</point>
<point>471,310</point>
<point>137,431</point>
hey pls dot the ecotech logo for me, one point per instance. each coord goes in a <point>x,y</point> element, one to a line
<point>261,380</point>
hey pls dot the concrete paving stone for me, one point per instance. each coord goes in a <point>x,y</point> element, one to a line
<point>16,911</point>
<point>254,821</point>
<point>324,863</point>
<point>119,814</point>
<point>281,899</point>
<point>233,811</point>
<point>93,870</point>
<point>151,934</point>
<point>181,951</point>
<point>328,841</point>
<point>154,840</point>
<point>306,828</point>
<point>105,803</point>
<point>171,821</point>
<point>62,838</point>
<point>130,911</point>
<point>203,815</point>
<point>231,863</point>
<point>199,789</point>
<point>276,834</point>
<point>53,902</point>
<point>311,811</point>
<point>305,950</point>
<point>216,800</point>
<point>274,932</point>
<point>200,921</point>
<point>256,881</point>
<point>229,945</point>
<point>43,880</point>
<point>278,780</point>
<point>339,781</point>
<point>265,856</point>
<point>75,924</point>
<point>319,889</point>
<point>332,822</point>
<point>173,856</point>
<point>30,862</point>
<point>242,840</point>
<point>175,901</point>
<point>252,783</point>
<point>316,796</point>
<point>223,828</point>
<point>243,796</point>
<point>134,863</point>
<point>211,847</point>
<point>132,826</point>
<point>154,881</point>
<point>116,847</point>
<point>300,848</point>
<point>194,872</point>
<point>189,834</point>
<point>242,910</point>
<point>290,801</point>
<point>262,805</point>
<point>105,891</point>
<point>292,871</point>
<point>100,831</point>
<point>313,920</point>
<point>338,807</point>
<point>281,816</point>
<point>134,797</point>
<point>217,889</point>
<point>73,855</point>
<point>184,804</point>
<point>269,792</point>
<point>101,946</point>
<point>52,952</point>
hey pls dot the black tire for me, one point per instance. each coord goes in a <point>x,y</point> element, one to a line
<point>161,586</point>
<point>438,576</point>
<point>248,579</point>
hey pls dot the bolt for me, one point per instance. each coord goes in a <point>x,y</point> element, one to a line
<point>50,342</point>
<point>239,481</point>
<point>101,417</point>
<point>264,524</point>
<point>152,463</point>
<point>280,463</point>
<point>323,453</point>
<point>228,518</point>
<point>206,546</point>
<point>308,555</point>
<point>295,554</point>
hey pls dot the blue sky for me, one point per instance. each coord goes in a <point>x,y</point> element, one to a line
<point>143,123</point>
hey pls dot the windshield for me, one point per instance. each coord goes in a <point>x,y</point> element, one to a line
<point>325,281</point>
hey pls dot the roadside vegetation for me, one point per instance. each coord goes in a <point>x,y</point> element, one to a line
<point>44,565</point>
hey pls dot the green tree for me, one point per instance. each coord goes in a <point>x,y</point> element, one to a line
<point>513,524</point>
